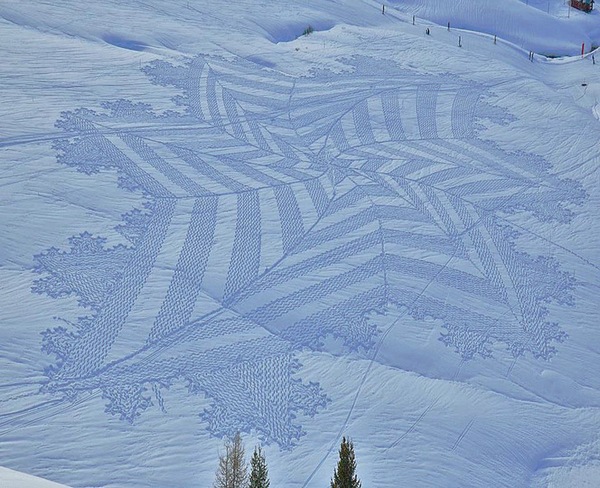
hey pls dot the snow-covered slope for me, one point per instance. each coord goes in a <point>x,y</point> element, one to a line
<point>533,26</point>
<point>212,223</point>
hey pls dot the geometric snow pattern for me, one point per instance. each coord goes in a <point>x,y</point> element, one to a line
<point>282,211</point>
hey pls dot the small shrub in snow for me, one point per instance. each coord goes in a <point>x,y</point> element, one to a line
<point>308,31</point>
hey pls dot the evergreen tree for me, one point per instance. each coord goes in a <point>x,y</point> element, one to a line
<point>232,471</point>
<point>344,476</point>
<point>259,476</point>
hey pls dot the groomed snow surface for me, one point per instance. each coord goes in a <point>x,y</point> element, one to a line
<point>210,223</point>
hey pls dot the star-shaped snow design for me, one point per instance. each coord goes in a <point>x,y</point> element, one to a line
<point>282,212</point>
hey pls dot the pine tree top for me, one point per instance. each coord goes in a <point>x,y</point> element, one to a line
<point>259,475</point>
<point>345,474</point>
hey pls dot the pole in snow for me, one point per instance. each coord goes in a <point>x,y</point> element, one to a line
<point>459,42</point>
<point>582,49</point>
<point>383,9</point>
<point>494,39</point>
<point>413,20</point>
<point>448,26</point>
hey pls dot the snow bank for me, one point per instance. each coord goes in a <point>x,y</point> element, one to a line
<point>278,31</point>
<point>10,478</point>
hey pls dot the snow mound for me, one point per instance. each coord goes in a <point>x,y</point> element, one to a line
<point>124,43</point>
<point>288,31</point>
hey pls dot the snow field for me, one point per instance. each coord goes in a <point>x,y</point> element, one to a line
<point>365,231</point>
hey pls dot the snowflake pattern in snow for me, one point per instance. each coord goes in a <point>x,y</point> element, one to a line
<point>282,212</point>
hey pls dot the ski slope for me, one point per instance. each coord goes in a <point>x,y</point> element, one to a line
<point>548,27</point>
<point>211,224</point>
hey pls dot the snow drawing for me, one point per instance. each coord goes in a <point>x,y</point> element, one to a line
<point>281,212</point>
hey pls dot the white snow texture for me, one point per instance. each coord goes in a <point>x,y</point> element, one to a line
<point>211,223</point>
